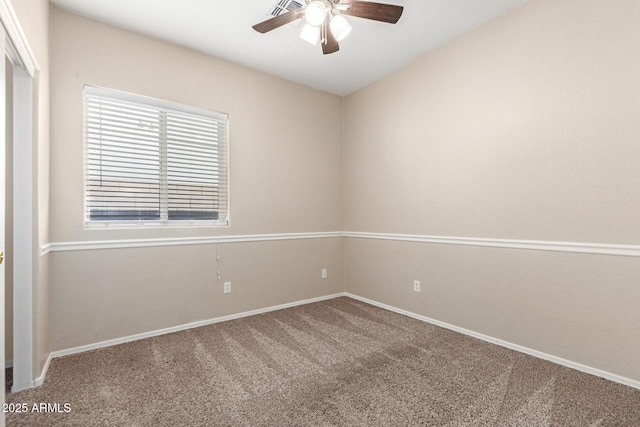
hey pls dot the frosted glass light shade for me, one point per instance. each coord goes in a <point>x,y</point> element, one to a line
<point>310,34</point>
<point>315,12</point>
<point>340,27</point>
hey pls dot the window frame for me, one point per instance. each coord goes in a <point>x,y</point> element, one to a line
<point>160,104</point>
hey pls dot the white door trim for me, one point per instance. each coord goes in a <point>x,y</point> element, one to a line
<point>19,51</point>
<point>3,205</point>
<point>23,227</point>
<point>25,254</point>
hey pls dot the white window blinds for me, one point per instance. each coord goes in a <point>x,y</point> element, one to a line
<point>149,161</point>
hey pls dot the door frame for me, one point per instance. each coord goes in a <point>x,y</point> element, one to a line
<point>25,231</point>
<point>3,205</point>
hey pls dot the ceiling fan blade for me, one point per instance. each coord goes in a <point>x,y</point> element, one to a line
<point>377,11</point>
<point>278,21</point>
<point>331,44</point>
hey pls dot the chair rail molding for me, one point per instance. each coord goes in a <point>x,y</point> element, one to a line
<point>533,245</point>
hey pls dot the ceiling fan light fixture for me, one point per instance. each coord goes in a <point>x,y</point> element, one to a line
<point>315,13</point>
<point>340,27</point>
<point>323,20</point>
<point>310,34</point>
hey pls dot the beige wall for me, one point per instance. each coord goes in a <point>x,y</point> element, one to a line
<point>285,177</point>
<point>285,162</point>
<point>526,128</point>
<point>33,16</point>
<point>108,294</point>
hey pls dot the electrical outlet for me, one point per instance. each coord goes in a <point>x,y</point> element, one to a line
<point>227,287</point>
<point>416,286</point>
<point>324,273</point>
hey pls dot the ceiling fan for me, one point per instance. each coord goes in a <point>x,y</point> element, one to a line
<point>323,20</point>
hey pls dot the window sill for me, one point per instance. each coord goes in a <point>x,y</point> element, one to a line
<point>102,225</point>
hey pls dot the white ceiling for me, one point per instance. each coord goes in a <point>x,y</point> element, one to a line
<point>222,28</point>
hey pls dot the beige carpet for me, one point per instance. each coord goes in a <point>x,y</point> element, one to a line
<point>339,362</point>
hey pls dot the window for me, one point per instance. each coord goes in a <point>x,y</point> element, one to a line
<point>153,162</point>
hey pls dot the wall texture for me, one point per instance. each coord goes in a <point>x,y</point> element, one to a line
<point>526,128</point>
<point>285,177</point>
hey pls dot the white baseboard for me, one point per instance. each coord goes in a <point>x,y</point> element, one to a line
<point>186,326</point>
<point>38,381</point>
<point>540,355</point>
<point>502,343</point>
